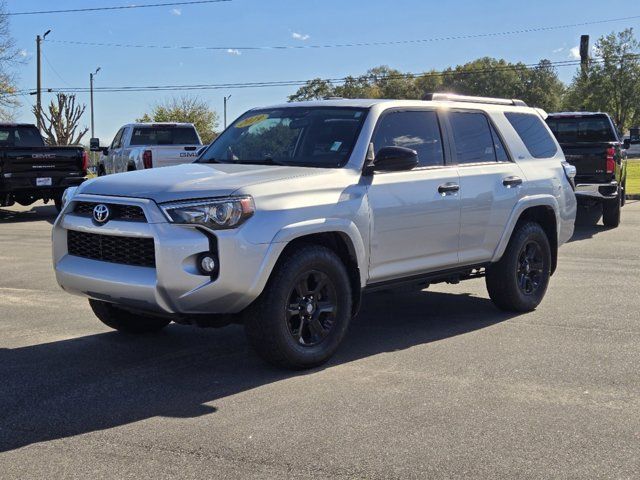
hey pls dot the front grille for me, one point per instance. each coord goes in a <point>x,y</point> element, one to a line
<point>131,213</point>
<point>111,248</point>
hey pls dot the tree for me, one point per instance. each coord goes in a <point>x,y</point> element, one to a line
<point>189,110</point>
<point>315,89</point>
<point>9,57</point>
<point>61,123</point>
<point>611,83</point>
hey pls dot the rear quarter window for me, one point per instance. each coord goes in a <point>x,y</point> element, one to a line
<point>533,133</point>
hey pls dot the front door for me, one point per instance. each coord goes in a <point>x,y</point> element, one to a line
<point>415,215</point>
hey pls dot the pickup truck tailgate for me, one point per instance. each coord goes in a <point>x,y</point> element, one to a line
<point>58,160</point>
<point>590,161</point>
<point>168,155</point>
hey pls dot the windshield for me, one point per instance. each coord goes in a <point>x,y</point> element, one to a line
<point>20,137</point>
<point>596,128</point>
<point>308,137</point>
<point>164,135</point>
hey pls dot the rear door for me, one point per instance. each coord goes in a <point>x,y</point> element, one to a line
<point>115,148</point>
<point>490,183</point>
<point>415,215</point>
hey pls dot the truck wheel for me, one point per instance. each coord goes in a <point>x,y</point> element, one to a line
<point>304,311</point>
<point>611,212</point>
<point>518,281</point>
<point>125,321</point>
<point>623,193</point>
<point>101,171</point>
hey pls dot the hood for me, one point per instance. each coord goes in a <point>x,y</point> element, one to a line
<point>191,181</point>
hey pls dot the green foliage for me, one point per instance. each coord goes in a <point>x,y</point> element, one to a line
<point>485,77</point>
<point>188,110</point>
<point>611,84</point>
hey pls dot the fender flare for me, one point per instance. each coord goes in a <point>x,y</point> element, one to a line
<point>522,205</point>
<point>328,225</point>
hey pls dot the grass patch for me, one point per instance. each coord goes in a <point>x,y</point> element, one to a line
<point>633,177</point>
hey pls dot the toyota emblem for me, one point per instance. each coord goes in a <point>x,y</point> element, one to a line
<point>101,213</point>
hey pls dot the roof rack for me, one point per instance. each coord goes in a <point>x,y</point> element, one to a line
<point>453,97</point>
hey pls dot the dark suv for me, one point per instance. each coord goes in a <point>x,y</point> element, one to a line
<point>592,143</point>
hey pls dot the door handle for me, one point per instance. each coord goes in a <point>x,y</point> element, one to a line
<point>512,182</point>
<point>447,188</point>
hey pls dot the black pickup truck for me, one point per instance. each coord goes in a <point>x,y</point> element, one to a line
<point>31,171</point>
<point>592,143</point>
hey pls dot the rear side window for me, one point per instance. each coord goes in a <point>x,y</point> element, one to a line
<point>596,128</point>
<point>164,136</point>
<point>472,137</point>
<point>533,134</point>
<point>418,130</point>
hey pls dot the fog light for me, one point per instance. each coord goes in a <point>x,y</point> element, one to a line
<point>207,264</point>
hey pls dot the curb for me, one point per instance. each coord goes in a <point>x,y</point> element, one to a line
<point>634,196</point>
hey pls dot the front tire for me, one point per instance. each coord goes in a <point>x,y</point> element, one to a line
<point>519,280</point>
<point>125,321</point>
<point>611,212</point>
<point>303,313</point>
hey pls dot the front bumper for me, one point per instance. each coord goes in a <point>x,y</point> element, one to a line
<point>598,191</point>
<point>174,286</point>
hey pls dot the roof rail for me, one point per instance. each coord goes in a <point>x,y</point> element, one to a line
<point>453,97</point>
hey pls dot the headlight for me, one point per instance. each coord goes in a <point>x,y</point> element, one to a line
<point>68,195</point>
<point>217,214</point>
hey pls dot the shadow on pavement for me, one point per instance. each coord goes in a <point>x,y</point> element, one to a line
<point>586,225</point>
<point>66,388</point>
<point>41,212</point>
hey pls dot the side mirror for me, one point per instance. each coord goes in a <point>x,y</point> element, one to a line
<point>394,159</point>
<point>104,150</point>
<point>94,144</point>
<point>626,143</point>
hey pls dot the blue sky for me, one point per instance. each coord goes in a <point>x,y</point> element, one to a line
<point>281,22</point>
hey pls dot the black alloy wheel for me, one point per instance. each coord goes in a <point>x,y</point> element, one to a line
<point>530,268</point>
<point>311,308</point>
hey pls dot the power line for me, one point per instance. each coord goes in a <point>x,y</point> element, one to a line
<point>355,44</point>
<point>119,7</point>
<point>333,81</point>
<point>284,83</point>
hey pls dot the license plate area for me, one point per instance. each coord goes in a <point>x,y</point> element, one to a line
<point>43,182</point>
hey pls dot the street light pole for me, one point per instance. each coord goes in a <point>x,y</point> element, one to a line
<point>91,75</point>
<point>39,40</point>
<point>225,110</point>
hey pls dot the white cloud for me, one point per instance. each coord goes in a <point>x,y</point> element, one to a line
<point>574,53</point>
<point>300,36</point>
<point>558,50</point>
<point>23,53</point>
<point>176,11</point>
<point>234,51</point>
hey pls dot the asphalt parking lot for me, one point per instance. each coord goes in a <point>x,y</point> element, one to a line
<point>431,384</point>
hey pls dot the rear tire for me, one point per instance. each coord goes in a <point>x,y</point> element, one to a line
<point>623,193</point>
<point>519,280</point>
<point>125,321</point>
<point>58,203</point>
<point>611,212</point>
<point>303,313</point>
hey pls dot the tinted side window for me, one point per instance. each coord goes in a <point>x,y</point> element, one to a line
<point>418,130</point>
<point>501,152</point>
<point>472,137</point>
<point>533,133</point>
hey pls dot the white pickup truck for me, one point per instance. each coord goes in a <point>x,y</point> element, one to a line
<point>138,146</point>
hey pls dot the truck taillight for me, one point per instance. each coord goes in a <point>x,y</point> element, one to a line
<point>147,159</point>
<point>85,161</point>
<point>611,160</point>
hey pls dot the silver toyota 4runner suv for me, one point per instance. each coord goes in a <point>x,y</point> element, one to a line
<point>296,210</point>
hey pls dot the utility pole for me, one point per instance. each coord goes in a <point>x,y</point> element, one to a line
<point>584,54</point>
<point>225,110</point>
<point>39,40</point>
<point>91,75</point>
